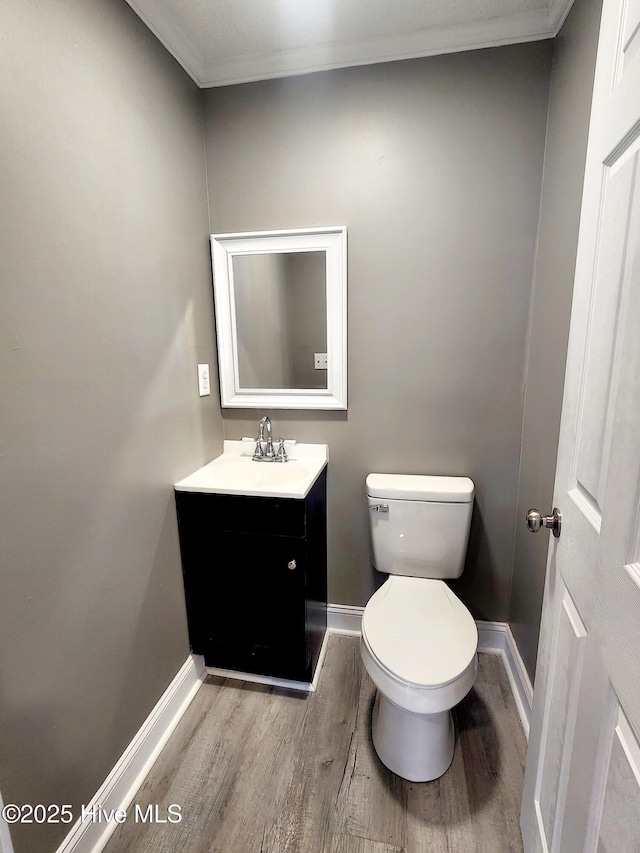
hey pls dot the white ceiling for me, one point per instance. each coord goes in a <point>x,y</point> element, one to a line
<point>220,42</point>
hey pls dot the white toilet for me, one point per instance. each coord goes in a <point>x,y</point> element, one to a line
<point>419,641</point>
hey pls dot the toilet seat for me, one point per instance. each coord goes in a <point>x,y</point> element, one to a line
<point>419,644</point>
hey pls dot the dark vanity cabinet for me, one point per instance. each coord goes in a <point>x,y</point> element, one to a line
<point>255,576</point>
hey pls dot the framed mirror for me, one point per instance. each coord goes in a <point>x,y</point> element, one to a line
<point>281,316</point>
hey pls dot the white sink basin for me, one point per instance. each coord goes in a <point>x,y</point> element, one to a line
<point>235,472</point>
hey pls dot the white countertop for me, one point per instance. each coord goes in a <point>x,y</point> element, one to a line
<point>235,472</point>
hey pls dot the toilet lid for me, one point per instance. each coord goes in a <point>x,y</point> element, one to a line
<point>420,631</point>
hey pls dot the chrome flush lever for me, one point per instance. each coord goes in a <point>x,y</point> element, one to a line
<point>379,508</point>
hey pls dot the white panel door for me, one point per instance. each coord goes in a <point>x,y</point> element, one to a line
<point>582,783</point>
<point>5,836</point>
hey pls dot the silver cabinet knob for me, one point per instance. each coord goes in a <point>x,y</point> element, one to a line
<point>292,565</point>
<point>535,521</point>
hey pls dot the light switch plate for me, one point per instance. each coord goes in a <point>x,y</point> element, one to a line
<point>204,386</point>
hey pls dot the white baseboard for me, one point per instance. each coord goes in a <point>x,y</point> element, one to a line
<point>344,619</point>
<point>496,638</point>
<point>493,638</point>
<point>123,782</point>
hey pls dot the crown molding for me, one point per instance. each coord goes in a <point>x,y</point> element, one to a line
<point>288,63</point>
<point>558,11</point>
<point>179,44</point>
<point>299,61</point>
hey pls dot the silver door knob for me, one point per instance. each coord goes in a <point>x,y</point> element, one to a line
<point>292,565</point>
<point>535,521</point>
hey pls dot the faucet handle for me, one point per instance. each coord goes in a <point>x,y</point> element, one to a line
<point>281,453</point>
<point>258,453</point>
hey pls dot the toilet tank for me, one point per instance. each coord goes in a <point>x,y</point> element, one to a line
<point>421,526</point>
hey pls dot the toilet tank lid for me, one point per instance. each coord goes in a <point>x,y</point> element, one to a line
<point>420,487</point>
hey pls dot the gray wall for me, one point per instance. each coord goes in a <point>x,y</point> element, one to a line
<point>569,109</point>
<point>105,311</point>
<point>435,166</point>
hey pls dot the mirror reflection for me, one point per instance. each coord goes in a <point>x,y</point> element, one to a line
<point>280,305</point>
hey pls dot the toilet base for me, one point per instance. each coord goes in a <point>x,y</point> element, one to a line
<point>417,747</point>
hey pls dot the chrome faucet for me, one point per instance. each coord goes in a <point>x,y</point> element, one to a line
<point>268,453</point>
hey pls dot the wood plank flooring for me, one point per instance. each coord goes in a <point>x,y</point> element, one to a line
<point>260,770</point>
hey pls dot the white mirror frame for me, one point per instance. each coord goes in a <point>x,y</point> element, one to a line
<point>224,247</point>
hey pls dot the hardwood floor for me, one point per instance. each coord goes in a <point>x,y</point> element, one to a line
<point>260,770</point>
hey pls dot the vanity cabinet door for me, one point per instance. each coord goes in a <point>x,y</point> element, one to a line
<point>254,599</point>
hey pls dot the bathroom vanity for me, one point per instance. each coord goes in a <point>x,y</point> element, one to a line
<point>254,558</point>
